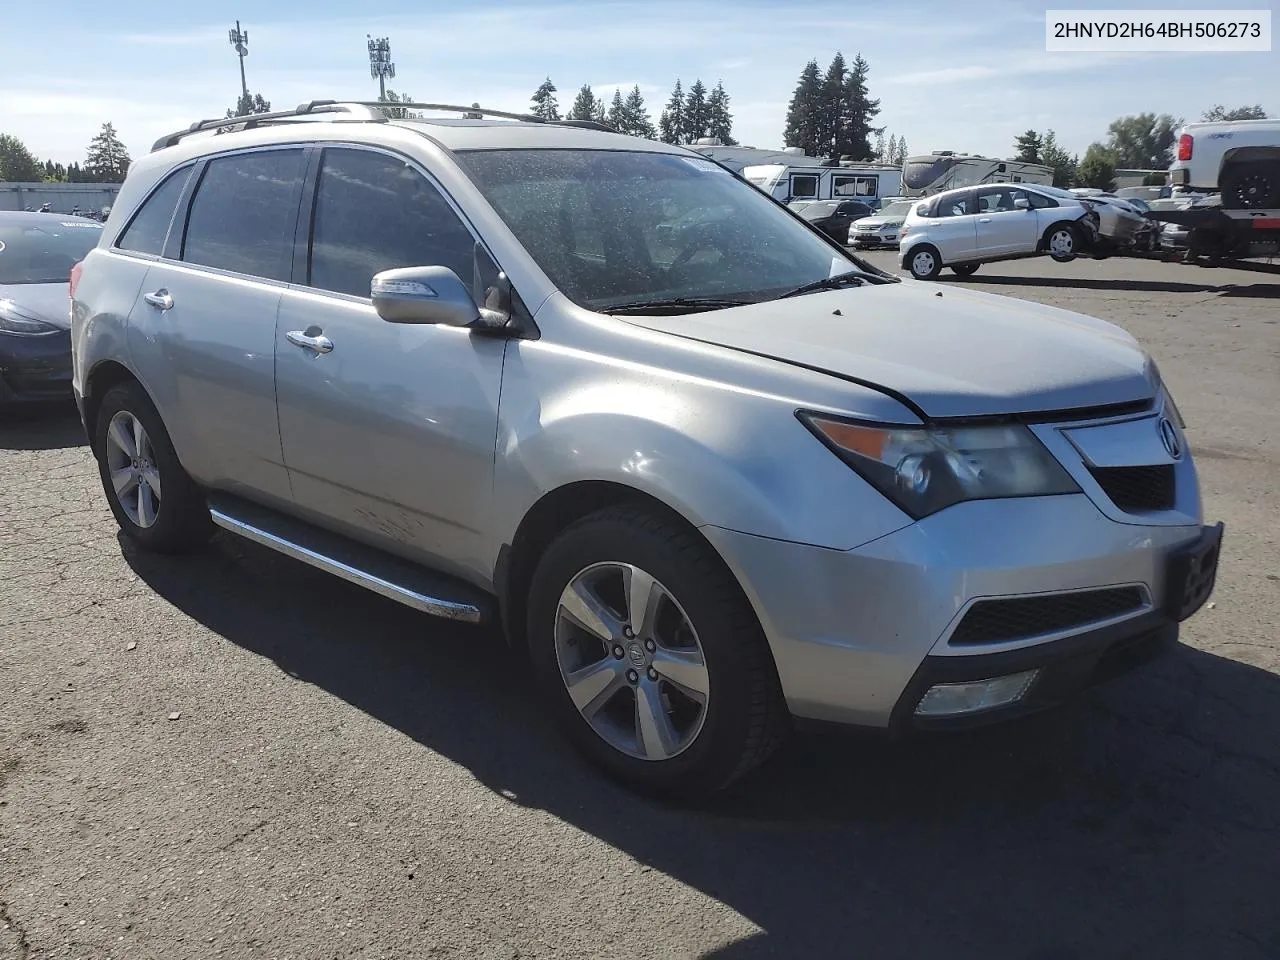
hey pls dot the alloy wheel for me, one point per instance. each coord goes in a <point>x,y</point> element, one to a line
<point>631,661</point>
<point>132,468</point>
<point>922,264</point>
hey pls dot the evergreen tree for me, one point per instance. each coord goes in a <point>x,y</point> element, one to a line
<point>891,151</point>
<point>719,119</point>
<point>617,117</point>
<point>696,114</point>
<point>398,113</point>
<point>856,112</point>
<point>902,154</point>
<point>584,105</point>
<point>544,101</point>
<point>1028,147</point>
<point>17,163</point>
<point>833,109</point>
<point>598,112</point>
<point>639,124</point>
<point>671,123</point>
<point>880,148</point>
<point>250,103</point>
<point>107,160</point>
<point>1064,165</point>
<point>803,120</point>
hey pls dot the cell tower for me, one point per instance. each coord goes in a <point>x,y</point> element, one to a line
<point>240,40</point>
<point>380,65</point>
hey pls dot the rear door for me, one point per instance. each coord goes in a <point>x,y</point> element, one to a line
<point>203,333</point>
<point>953,227</point>
<point>1003,228</point>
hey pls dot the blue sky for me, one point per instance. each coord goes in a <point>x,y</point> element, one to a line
<point>950,75</point>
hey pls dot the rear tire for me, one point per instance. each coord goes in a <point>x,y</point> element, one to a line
<point>699,620</point>
<point>1252,185</point>
<point>1062,242</point>
<point>924,262</point>
<point>965,269</point>
<point>154,501</point>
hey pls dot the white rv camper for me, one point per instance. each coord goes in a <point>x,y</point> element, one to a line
<point>826,180</point>
<point>738,158</point>
<point>945,170</point>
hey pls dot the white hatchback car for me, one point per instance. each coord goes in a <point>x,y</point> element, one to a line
<point>969,226</point>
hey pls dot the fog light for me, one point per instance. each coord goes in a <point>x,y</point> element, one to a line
<point>957,699</point>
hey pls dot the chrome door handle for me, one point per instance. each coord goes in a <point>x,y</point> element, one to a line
<point>984,219</point>
<point>318,343</point>
<point>161,299</point>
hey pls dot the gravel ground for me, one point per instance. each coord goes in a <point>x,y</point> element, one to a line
<point>233,755</point>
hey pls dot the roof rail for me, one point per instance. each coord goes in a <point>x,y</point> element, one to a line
<point>254,119</point>
<point>375,112</point>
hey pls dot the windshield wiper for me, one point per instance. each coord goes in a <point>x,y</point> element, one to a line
<point>676,305</point>
<point>829,283</point>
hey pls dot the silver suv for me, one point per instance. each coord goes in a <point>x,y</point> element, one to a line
<point>716,474</point>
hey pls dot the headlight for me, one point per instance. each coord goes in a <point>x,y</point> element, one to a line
<point>923,470</point>
<point>13,319</point>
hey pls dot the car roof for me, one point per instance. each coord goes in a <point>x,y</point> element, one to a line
<point>35,217</point>
<point>464,134</point>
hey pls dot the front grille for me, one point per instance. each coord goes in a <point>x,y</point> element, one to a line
<point>1138,489</point>
<point>998,621</point>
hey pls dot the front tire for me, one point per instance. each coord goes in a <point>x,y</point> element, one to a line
<point>153,499</point>
<point>650,657</point>
<point>924,262</point>
<point>965,269</point>
<point>1061,242</point>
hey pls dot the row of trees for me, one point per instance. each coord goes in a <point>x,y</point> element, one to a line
<point>106,161</point>
<point>1144,141</point>
<point>831,114</point>
<point>686,118</point>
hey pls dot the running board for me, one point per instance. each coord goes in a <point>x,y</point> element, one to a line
<point>392,577</point>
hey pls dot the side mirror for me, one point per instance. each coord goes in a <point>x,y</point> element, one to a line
<point>1022,203</point>
<point>423,295</point>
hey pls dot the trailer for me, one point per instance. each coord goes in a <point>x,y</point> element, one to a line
<point>826,180</point>
<point>932,173</point>
<point>1217,234</point>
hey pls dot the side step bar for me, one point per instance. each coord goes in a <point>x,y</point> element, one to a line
<point>392,577</point>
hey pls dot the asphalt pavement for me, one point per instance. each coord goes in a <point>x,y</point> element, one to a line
<point>233,755</point>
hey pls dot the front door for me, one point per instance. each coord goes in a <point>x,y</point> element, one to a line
<point>389,435</point>
<point>203,330</point>
<point>953,228</point>
<point>1003,228</point>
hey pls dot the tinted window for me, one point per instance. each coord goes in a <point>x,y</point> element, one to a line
<point>995,200</point>
<point>43,249</point>
<point>150,226</point>
<point>804,185</point>
<point>850,209</point>
<point>375,212</point>
<point>955,206</point>
<point>243,214</point>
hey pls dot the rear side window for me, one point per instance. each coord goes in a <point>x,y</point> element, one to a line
<point>150,225</point>
<point>243,214</point>
<point>374,212</point>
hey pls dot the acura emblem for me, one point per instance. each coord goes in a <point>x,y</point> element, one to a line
<point>1169,437</point>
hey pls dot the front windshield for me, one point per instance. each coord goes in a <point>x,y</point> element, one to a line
<point>44,252</point>
<point>619,227</point>
<point>899,209</point>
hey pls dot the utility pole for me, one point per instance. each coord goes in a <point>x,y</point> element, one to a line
<point>240,40</point>
<point>380,65</point>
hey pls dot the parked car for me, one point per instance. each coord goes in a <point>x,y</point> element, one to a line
<point>37,252</point>
<point>880,229</point>
<point>970,226</point>
<point>1118,224</point>
<point>711,490</point>
<point>832,217</point>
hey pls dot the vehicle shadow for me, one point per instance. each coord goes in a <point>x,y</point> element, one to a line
<point>54,426</point>
<point>1261,290</point>
<point>1141,822</point>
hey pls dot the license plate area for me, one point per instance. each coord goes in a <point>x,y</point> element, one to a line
<point>1192,572</point>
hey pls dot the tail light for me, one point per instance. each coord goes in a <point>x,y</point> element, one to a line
<point>1185,145</point>
<point>904,231</point>
<point>75,277</point>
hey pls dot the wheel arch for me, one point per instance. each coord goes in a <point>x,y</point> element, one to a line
<point>104,375</point>
<point>1247,155</point>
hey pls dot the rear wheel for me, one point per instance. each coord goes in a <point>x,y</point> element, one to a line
<point>1254,185</point>
<point>1060,241</point>
<point>965,269</point>
<point>650,655</point>
<point>924,262</point>
<point>153,499</point>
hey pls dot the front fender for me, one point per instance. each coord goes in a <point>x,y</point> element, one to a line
<point>717,454</point>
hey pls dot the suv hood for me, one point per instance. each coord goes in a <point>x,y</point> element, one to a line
<point>879,222</point>
<point>47,301</point>
<point>952,352</point>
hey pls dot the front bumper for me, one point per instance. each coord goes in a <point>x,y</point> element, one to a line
<point>857,634</point>
<point>35,369</point>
